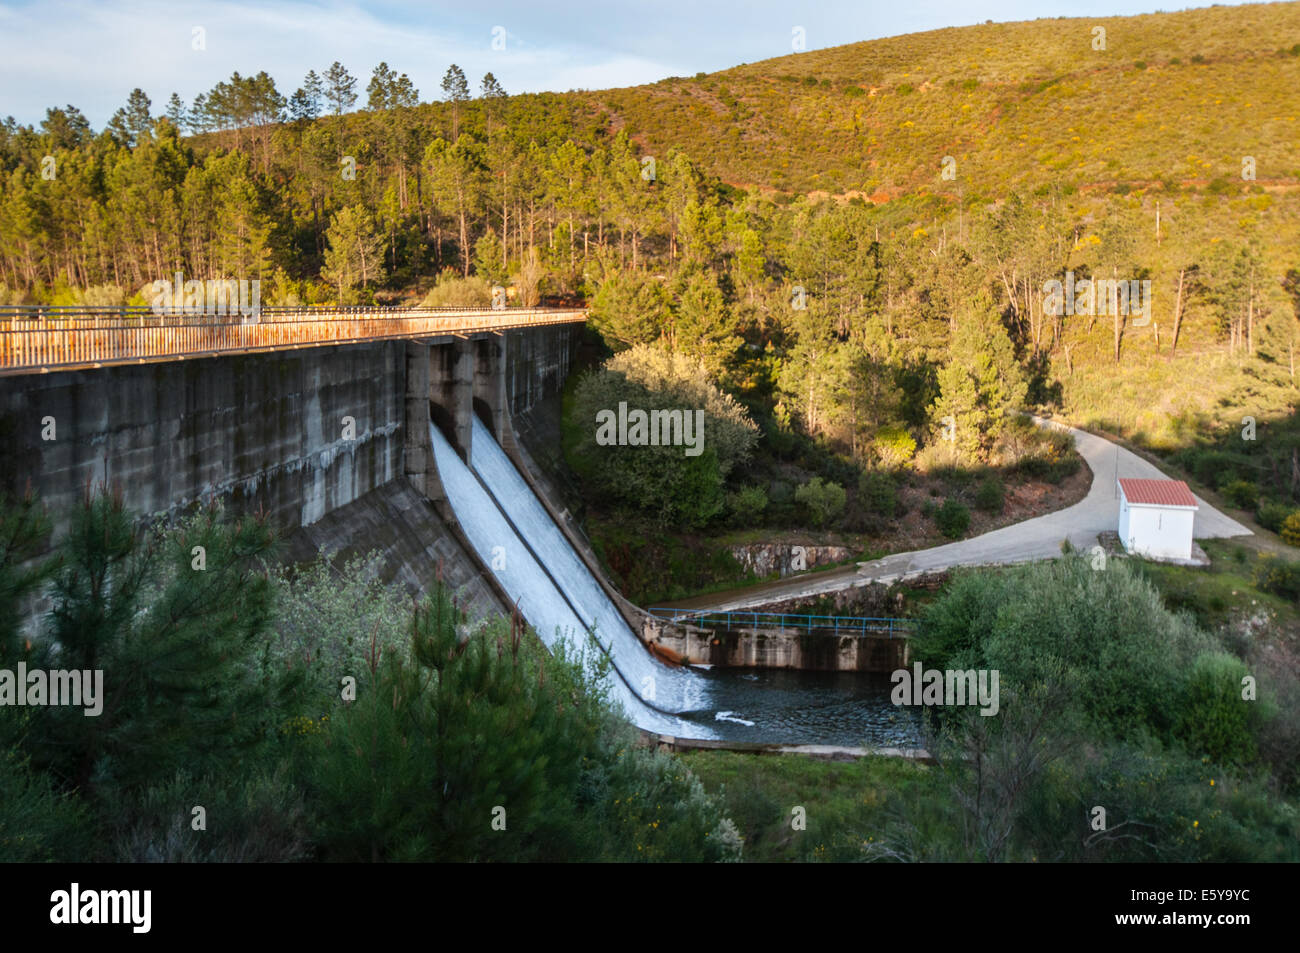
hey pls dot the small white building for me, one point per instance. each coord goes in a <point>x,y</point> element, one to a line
<point>1156,517</point>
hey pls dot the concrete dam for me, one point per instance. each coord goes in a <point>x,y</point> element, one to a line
<point>389,432</point>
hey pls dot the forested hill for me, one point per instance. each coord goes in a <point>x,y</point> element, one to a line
<point>817,229</point>
<point>1173,98</point>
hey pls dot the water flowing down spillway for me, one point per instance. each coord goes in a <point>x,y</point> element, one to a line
<point>543,604</point>
<point>674,689</point>
<point>509,528</point>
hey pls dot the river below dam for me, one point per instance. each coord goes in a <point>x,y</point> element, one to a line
<point>792,707</point>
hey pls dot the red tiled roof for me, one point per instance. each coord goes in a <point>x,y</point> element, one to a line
<point>1157,492</point>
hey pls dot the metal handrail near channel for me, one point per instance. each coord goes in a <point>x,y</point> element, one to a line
<point>42,339</point>
<point>828,624</point>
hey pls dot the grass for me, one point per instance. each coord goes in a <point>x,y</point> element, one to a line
<point>1214,593</point>
<point>846,803</point>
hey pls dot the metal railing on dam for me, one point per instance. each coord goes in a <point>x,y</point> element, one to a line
<point>41,339</point>
<point>820,624</point>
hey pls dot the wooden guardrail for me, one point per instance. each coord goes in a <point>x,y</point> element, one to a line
<point>39,340</point>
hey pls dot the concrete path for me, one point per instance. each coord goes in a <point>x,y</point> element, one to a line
<point>1038,538</point>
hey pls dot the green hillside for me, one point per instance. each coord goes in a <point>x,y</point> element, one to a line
<point>1175,100</point>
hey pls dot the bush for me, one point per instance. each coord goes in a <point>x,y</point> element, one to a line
<point>1242,494</point>
<point>747,504</point>
<point>991,496</point>
<point>454,291</point>
<point>824,501</point>
<point>878,494</point>
<point>953,519</point>
<point>1213,718</point>
<point>1272,515</point>
<point>254,819</point>
<point>1213,467</point>
<point>1104,639</point>
<point>1278,576</point>
<point>1291,529</point>
<point>38,823</point>
<point>1051,457</point>
<point>894,446</point>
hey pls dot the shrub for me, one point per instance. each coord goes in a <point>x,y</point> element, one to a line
<point>1278,576</point>
<point>1291,529</point>
<point>1052,458</point>
<point>939,458</point>
<point>991,496</point>
<point>1213,719</point>
<point>747,504</point>
<point>953,519</point>
<point>823,500</point>
<point>894,446</point>
<point>1104,639</point>
<point>878,494</point>
<point>332,613</point>
<point>1272,515</point>
<point>38,822</point>
<point>1242,494</point>
<point>262,819</point>
<point>454,291</point>
<point>1212,467</point>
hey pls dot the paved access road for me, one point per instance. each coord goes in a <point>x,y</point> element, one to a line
<point>1037,538</point>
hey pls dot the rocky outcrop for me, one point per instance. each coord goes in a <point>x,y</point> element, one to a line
<point>764,559</point>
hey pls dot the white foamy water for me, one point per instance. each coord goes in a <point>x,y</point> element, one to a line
<point>561,604</point>
<point>675,689</point>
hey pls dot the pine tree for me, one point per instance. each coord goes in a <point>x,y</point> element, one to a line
<point>133,121</point>
<point>176,113</point>
<point>173,619</point>
<point>23,530</point>
<point>379,91</point>
<point>490,88</point>
<point>356,251</point>
<point>458,177</point>
<point>436,746</point>
<point>981,386</point>
<point>340,88</point>
<point>305,104</point>
<point>456,89</point>
<point>198,119</point>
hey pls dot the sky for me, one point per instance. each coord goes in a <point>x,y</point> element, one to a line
<point>92,54</point>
